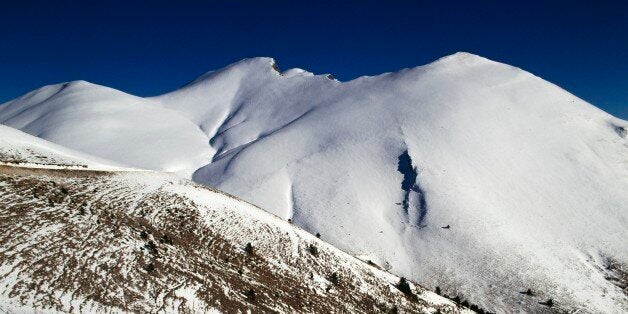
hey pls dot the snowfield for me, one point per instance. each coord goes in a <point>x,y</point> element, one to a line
<point>465,174</point>
<point>23,150</point>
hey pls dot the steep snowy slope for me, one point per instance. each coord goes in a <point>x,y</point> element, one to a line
<point>110,124</point>
<point>531,180</point>
<point>466,174</point>
<point>100,241</point>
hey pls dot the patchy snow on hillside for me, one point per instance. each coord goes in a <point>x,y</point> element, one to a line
<point>81,241</point>
<point>466,174</point>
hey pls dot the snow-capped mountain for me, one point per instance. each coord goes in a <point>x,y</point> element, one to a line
<point>466,174</point>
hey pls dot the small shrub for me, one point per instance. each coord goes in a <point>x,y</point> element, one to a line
<point>313,250</point>
<point>404,286</point>
<point>250,295</point>
<point>318,235</point>
<point>528,292</point>
<point>394,310</point>
<point>334,278</point>
<point>437,290</point>
<point>150,267</point>
<point>249,248</point>
<point>165,239</point>
<point>151,247</point>
<point>143,235</point>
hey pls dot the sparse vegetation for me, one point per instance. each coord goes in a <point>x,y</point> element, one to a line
<point>150,267</point>
<point>250,295</point>
<point>548,303</point>
<point>165,239</point>
<point>105,245</point>
<point>334,278</point>
<point>404,286</point>
<point>249,248</point>
<point>527,292</point>
<point>151,247</point>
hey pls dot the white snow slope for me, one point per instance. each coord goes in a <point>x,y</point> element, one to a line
<point>110,124</point>
<point>20,149</point>
<point>531,180</point>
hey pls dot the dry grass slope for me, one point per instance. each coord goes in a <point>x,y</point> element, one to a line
<point>84,241</point>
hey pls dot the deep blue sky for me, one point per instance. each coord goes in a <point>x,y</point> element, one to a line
<point>151,47</point>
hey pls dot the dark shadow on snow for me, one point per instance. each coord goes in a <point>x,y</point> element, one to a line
<point>409,184</point>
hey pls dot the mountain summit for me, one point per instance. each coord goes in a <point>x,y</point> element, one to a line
<point>466,174</point>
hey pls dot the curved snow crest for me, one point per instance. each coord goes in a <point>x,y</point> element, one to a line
<point>517,167</point>
<point>296,72</point>
<point>23,150</point>
<point>110,124</point>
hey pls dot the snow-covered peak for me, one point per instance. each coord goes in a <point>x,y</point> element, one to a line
<point>463,58</point>
<point>253,66</point>
<point>296,72</point>
<point>110,124</point>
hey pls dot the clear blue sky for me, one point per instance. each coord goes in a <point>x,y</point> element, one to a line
<point>150,47</point>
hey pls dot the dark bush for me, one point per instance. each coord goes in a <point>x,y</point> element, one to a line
<point>404,286</point>
<point>548,303</point>
<point>250,295</point>
<point>150,267</point>
<point>456,299</point>
<point>249,248</point>
<point>438,290</point>
<point>151,247</point>
<point>528,292</point>
<point>313,250</point>
<point>165,239</point>
<point>334,278</point>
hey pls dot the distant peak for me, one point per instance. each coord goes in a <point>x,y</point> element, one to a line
<point>256,64</point>
<point>463,58</point>
<point>296,72</point>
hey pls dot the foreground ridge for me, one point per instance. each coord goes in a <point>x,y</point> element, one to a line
<point>80,240</point>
